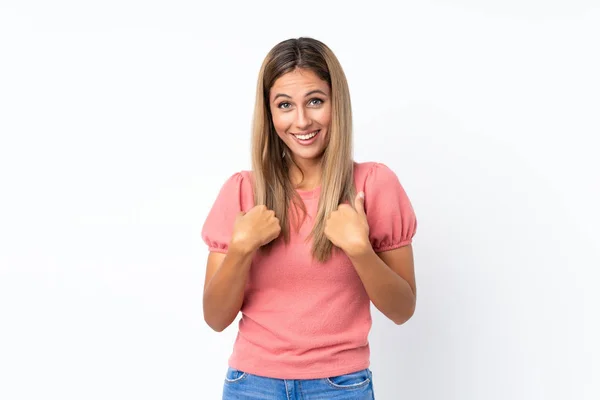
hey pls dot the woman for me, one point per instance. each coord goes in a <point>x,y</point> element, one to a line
<point>306,240</point>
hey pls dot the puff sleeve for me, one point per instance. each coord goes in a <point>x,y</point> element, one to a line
<point>391,218</point>
<point>218,226</point>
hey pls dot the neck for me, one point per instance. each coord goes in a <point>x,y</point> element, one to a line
<point>310,169</point>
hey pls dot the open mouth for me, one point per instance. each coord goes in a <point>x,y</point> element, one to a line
<point>307,138</point>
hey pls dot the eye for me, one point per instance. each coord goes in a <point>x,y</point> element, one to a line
<point>284,103</point>
<point>318,101</point>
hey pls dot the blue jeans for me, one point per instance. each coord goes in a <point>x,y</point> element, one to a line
<point>240,385</point>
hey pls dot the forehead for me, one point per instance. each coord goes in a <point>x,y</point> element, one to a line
<point>298,83</point>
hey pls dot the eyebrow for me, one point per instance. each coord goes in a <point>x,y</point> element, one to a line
<point>306,95</point>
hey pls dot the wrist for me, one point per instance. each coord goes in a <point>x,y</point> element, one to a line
<point>359,250</point>
<point>241,247</point>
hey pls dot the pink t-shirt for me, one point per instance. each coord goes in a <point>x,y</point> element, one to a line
<point>302,319</point>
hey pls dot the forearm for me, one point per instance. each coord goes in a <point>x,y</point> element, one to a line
<point>224,293</point>
<point>389,292</point>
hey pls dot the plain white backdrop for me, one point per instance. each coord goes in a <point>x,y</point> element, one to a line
<point>120,120</point>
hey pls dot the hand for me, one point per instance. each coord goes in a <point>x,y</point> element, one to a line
<point>348,229</point>
<point>255,228</point>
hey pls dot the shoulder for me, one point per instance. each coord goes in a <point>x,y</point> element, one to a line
<point>372,174</point>
<point>237,180</point>
<point>238,188</point>
<point>391,217</point>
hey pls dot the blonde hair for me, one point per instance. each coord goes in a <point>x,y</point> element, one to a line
<point>272,186</point>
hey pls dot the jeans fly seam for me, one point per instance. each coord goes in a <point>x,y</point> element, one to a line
<point>287,394</point>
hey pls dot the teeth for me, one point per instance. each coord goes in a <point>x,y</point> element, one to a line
<point>306,137</point>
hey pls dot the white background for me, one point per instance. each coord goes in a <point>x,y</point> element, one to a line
<point>120,120</point>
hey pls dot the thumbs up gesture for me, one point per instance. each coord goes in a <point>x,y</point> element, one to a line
<point>255,228</point>
<point>348,228</point>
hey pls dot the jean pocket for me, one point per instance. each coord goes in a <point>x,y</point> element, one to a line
<point>353,380</point>
<point>234,375</point>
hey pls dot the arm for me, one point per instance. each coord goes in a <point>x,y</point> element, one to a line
<point>226,276</point>
<point>389,280</point>
<point>388,276</point>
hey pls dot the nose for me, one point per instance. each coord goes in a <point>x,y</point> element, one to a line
<point>303,120</point>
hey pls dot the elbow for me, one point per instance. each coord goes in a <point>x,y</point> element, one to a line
<point>214,318</point>
<point>215,325</point>
<point>218,328</point>
<point>402,320</point>
<point>406,314</point>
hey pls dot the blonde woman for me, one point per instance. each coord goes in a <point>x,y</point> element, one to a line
<point>303,242</point>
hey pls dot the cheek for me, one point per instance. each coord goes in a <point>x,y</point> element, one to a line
<point>281,124</point>
<point>324,116</point>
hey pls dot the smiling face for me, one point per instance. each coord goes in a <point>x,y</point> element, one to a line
<point>300,104</point>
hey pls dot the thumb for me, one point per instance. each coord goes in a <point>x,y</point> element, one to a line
<point>359,203</point>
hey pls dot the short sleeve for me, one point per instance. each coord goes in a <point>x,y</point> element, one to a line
<point>218,226</point>
<point>391,218</point>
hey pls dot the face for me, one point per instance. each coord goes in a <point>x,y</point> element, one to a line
<point>301,109</point>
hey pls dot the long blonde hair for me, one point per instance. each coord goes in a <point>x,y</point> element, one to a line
<point>271,184</point>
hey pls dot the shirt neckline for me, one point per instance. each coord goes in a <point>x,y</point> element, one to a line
<point>309,194</point>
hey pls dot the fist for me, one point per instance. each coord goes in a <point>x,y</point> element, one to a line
<point>347,227</point>
<point>255,228</point>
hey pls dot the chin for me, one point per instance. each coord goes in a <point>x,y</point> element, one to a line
<point>309,155</point>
